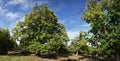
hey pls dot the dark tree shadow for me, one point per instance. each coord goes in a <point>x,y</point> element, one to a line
<point>19,54</point>
<point>65,55</point>
<point>96,58</point>
<point>49,56</point>
<point>54,55</point>
<point>42,55</point>
<point>70,60</point>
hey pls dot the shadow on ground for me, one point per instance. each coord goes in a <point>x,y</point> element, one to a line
<point>64,55</point>
<point>70,60</point>
<point>55,55</point>
<point>96,58</point>
<point>19,54</point>
<point>89,58</point>
<point>42,55</point>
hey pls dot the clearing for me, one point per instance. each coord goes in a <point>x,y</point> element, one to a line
<point>59,57</point>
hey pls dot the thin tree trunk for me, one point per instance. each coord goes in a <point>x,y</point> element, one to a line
<point>117,56</point>
<point>77,52</point>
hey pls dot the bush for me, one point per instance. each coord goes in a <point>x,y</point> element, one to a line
<point>50,47</point>
<point>6,43</point>
<point>37,47</point>
<point>58,46</point>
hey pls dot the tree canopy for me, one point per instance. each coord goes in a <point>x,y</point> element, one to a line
<point>41,26</point>
<point>79,43</point>
<point>104,19</point>
<point>6,42</point>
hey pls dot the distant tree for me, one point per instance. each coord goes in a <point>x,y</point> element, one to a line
<point>40,26</point>
<point>59,40</point>
<point>79,44</point>
<point>104,19</point>
<point>6,42</point>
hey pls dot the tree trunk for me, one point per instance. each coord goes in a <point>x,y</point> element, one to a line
<point>77,52</point>
<point>117,56</point>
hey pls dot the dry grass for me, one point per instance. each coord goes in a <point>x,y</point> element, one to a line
<point>59,57</point>
<point>22,58</point>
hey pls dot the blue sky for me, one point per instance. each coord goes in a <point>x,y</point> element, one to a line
<point>68,12</point>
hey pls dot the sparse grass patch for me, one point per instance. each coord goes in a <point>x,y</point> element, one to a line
<point>16,56</point>
<point>22,58</point>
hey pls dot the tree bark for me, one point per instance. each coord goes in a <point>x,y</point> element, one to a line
<point>117,56</point>
<point>77,52</point>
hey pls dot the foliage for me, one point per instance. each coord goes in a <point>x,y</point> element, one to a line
<point>38,47</point>
<point>57,46</point>
<point>6,42</point>
<point>79,44</point>
<point>39,29</point>
<point>104,19</point>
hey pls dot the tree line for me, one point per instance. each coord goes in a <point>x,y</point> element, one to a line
<point>40,32</point>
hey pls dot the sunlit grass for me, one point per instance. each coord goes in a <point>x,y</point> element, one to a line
<point>22,58</point>
<point>64,57</point>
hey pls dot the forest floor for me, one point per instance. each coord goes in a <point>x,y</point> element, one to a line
<point>59,57</point>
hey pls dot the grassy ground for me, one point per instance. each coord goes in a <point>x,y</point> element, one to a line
<point>36,58</point>
<point>59,57</point>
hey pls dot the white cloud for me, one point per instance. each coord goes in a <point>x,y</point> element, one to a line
<point>66,21</point>
<point>25,4</point>
<point>72,34</point>
<point>12,25</point>
<point>4,11</point>
<point>63,21</point>
<point>58,8</point>
<point>12,15</point>
<point>14,2</point>
<point>74,30</point>
<point>1,7</point>
<point>40,2</point>
<point>71,21</point>
<point>22,19</point>
<point>0,1</point>
<point>1,25</point>
<point>85,25</point>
